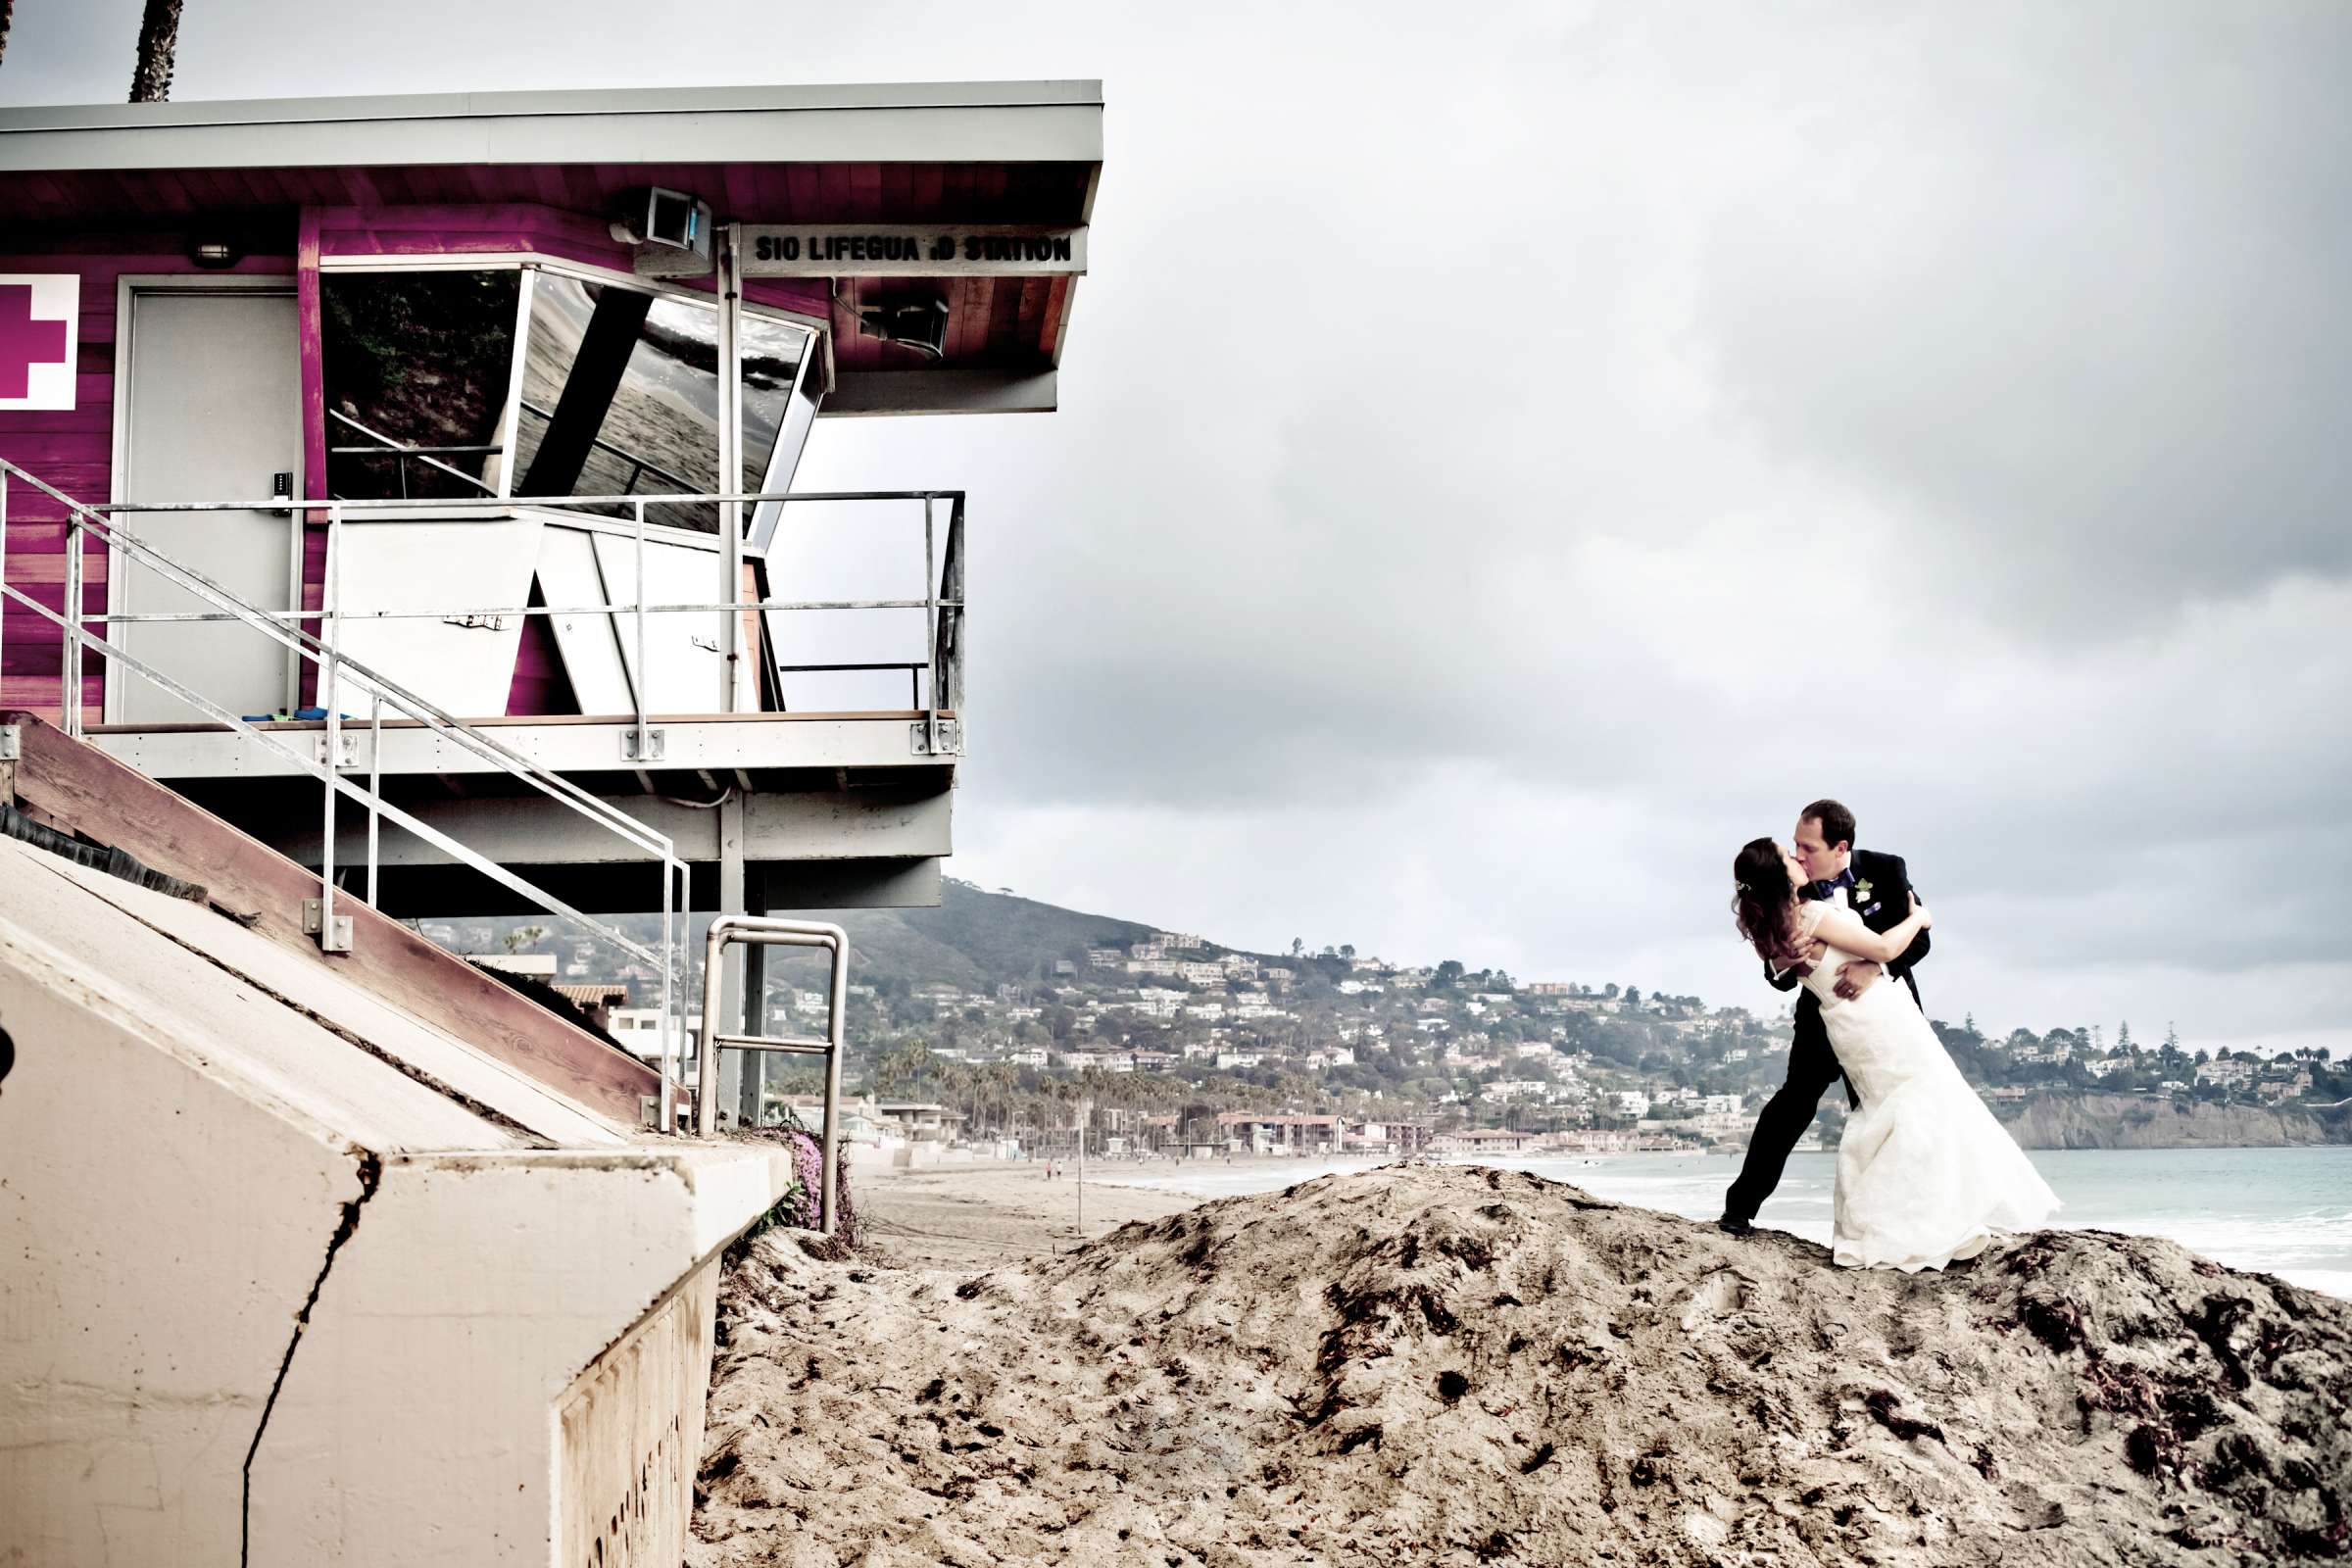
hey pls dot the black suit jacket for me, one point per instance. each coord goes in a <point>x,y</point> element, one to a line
<point>1883,909</point>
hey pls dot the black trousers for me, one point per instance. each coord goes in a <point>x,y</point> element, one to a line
<point>1812,1070</point>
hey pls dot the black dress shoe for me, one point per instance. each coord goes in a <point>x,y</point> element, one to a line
<point>1733,1225</point>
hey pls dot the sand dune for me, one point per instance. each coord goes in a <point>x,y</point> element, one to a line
<point>1442,1364</point>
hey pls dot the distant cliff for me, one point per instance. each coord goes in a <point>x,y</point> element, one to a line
<point>2135,1121</point>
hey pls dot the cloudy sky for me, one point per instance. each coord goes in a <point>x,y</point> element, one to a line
<point>1506,464</point>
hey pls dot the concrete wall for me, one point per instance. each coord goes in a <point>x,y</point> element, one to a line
<point>274,1293</point>
<point>161,1229</point>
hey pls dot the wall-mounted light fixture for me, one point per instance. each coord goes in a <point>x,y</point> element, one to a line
<point>920,325</point>
<point>669,219</point>
<point>212,254</point>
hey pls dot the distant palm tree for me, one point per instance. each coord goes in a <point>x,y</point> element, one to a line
<point>159,41</point>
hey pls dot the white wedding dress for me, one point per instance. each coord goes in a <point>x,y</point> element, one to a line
<point>1925,1173</point>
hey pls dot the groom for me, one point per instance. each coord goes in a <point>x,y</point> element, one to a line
<point>1877,887</point>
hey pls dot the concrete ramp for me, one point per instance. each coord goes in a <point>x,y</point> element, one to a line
<point>300,1272</point>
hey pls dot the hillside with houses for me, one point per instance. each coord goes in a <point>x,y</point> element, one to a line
<point>1006,1015</point>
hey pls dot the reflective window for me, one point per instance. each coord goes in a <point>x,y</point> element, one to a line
<point>619,392</point>
<point>779,406</point>
<point>416,373</point>
<point>620,397</point>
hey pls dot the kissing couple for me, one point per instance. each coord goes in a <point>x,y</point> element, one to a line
<point>1926,1176</point>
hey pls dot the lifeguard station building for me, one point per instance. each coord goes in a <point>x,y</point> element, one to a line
<point>401,519</point>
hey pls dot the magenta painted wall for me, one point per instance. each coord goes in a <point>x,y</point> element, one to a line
<point>75,451</point>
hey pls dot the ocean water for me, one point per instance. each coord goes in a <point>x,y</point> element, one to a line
<point>2283,1211</point>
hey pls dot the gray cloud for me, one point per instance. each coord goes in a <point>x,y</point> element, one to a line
<point>1505,466</point>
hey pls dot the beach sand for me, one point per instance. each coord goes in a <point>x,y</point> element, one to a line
<point>1463,1367</point>
<point>977,1214</point>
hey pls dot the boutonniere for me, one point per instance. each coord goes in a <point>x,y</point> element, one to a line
<point>1861,890</point>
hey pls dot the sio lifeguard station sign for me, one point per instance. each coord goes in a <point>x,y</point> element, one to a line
<point>908,249</point>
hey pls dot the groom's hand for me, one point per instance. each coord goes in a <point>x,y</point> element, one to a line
<point>1854,977</point>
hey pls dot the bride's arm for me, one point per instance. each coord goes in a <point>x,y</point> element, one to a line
<point>1843,929</point>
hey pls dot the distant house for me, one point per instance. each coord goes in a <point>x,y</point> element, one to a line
<point>1262,1133</point>
<point>1483,1141</point>
<point>597,999</point>
<point>917,1118</point>
<point>530,965</point>
<point>639,1031</point>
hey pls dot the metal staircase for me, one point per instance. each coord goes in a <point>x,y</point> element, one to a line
<point>333,930</point>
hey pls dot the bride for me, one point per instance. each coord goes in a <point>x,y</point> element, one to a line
<point>1924,1174</point>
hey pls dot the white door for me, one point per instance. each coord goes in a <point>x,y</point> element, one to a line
<point>213,413</point>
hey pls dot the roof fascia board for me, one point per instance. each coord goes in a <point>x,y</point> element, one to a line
<point>957,122</point>
<point>859,394</point>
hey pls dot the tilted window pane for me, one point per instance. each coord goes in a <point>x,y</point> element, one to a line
<point>620,397</point>
<point>770,352</point>
<point>416,373</point>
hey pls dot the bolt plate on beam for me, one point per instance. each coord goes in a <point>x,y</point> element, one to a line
<point>336,939</point>
<point>347,747</point>
<point>12,744</point>
<point>641,746</point>
<point>950,738</point>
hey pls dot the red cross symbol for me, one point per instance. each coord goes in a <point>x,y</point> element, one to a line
<point>23,341</point>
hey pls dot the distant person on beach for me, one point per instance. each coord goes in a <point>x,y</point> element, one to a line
<point>1925,1173</point>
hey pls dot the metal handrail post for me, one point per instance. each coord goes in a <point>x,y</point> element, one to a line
<point>68,669</point>
<point>706,1077</point>
<point>835,1036</point>
<point>948,652</point>
<point>330,602</point>
<point>930,632</point>
<point>668,1036</point>
<point>375,790</point>
<point>684,960</point>
<point>730,462</point>
<point>637,684</point>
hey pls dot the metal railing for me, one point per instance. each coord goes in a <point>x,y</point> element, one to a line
<point>282,628</point>
<point>937,700</point>
<point>935,682</point>
<point>732,930</point>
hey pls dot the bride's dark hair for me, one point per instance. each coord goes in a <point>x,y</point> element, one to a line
<point>1764,901</point>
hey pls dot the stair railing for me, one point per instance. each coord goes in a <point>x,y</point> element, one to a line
<point>334,932</point>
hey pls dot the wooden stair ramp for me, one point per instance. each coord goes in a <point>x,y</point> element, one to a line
<point>76,788</point>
